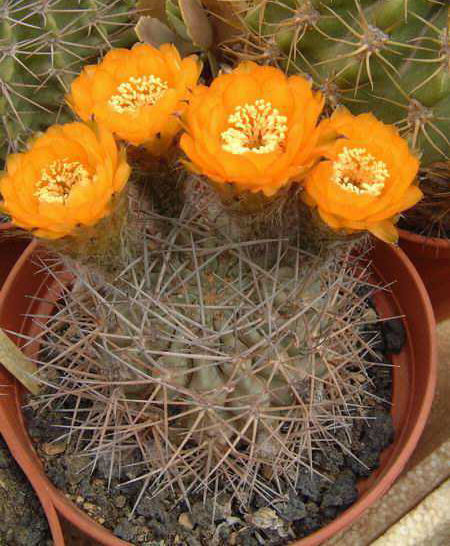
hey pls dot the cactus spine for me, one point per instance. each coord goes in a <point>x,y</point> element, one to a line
<point>43,45</point>
<point>389,57</point>
<point>224,365</point>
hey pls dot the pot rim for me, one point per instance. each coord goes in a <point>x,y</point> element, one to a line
<point>431,257</point>
<point>73,514</point>
<point>39,488</point>
<point>435,242</point>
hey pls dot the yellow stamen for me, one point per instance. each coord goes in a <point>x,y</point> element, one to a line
<point>256,127</point>
<point>137,92</point>
<point>358,171</point>
<point>58,179</point>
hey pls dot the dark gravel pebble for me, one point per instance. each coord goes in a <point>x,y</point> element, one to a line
<point>394,335</point>
<point>126,530</point>
<point>22,520</point>
<point>293,510</point>
<point>310,485</point>
<point>342,492</point>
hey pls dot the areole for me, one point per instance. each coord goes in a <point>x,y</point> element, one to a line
<point>414,382</point>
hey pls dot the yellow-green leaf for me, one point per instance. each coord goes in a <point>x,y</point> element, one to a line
<point>17,363</point>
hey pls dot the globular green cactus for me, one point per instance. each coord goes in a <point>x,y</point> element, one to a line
<point>388,57</point>
<point>43,45</point>
<point>216,364</point>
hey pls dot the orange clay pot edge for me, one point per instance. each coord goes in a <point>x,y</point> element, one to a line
<point>433,242</point>
<point>10,251</point>
<point>410,298</point>
<point>431,257</point>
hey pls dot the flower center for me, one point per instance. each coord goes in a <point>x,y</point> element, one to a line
<point>58,179</point>
<point>137,92</point>
<point>359,171</point>
<point>256,127</point>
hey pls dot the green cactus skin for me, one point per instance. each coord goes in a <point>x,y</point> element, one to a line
<point>247,215</point>
<point>220,367</point>
<point>389,57</point>
<point>43,45</point>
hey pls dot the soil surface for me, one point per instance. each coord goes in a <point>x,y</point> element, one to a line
<point>156,522</point>
<point>22,520</point>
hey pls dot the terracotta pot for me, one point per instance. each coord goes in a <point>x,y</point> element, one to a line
<point>16,437</point>
<point>10,250</point>
<point>413,386</point>
<point>431,257</point>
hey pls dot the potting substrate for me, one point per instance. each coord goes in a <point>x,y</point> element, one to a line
<point>315,501</point>
<point>22,520</point>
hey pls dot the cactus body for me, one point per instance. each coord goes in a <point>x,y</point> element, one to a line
<point>43,45</point>
<point>389,57</point>
<point>223,364</point>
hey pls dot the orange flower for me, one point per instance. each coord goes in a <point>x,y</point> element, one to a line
<point>137,94</point>
<point>367,178</point>
<point>66,179</point>
<point>255,127</point>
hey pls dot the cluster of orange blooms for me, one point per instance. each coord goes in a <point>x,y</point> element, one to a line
<point>255,128</point>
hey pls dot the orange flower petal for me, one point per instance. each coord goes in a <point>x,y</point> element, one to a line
<point>35,203</point>
<point>240,91</point>
<point>374,209</point>
<point>210,129</point>
<point>101,87</point>
<point>138,122</point>
<point>386,231</point>
<point>13,162</point>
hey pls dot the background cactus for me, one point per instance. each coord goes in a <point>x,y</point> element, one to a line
<point>224,365</point>
<point>431,217</point>
<point>389,57</point>
<point>43,45</point>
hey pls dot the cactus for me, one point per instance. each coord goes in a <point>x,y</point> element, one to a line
<point>389,57</point>
<point>431,217</point>
<point>43,45</point>
<point>216,363</point>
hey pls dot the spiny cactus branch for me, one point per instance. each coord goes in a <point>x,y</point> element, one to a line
<point>217,367</point>
<point>43,45</point>
<point>358,51</point>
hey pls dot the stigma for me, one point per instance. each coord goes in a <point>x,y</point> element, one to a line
<point>358,171</point>
<point>137,92</point>
<point>57,180</point>
<point>257,128</point>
